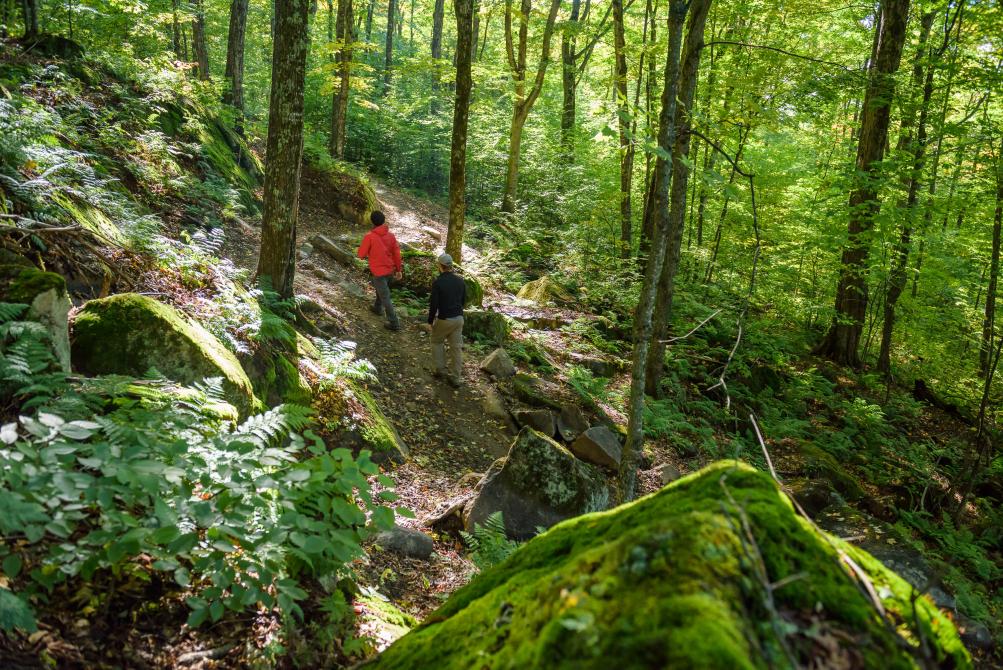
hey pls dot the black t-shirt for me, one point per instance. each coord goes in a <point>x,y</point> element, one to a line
<point>448,295</point>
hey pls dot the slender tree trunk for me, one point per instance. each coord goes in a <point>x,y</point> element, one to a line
<point>464,10</point>
<point>569,80</point>
<point>524,99</point>
<point>623,116</point>
<point>659,243</point>
<point>989,316</point>
<point>176,30</point>
<point>369,20</point>
<point>388,59</point>
<point>438,13</point>
<point>30,10</point>
<point>677,205</point>
<point>841,342</point>
<point>339,100</point>
<point>234,92</point>
<point>922,75</point>
<point>199,39</point>
<point>284,152</point>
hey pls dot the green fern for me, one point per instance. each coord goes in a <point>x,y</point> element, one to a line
<point>489,545</point>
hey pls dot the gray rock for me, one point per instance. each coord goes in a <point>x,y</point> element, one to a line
<point>571,423</point>
<point>814,495</point>
<point>530,390</point>
<point>433,233</point>
<point>669,473</point>
<point>494,405</point>
<point>407,542</point>
<point>541,420</point>
<point>974,634</point>
<point>538,484</point>
<point>598,445</point>
<point>305,250</point>
<point>338,253</point>
<point>353,289</point>
<point>486,324</point>
<point>51,309</point>
<point>498,364</point>
<point>470,479</point>
<point>321,273</point>
<point>599,367</point>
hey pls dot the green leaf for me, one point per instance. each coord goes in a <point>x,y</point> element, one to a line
<point>15,613</point>
<point>12,565</point>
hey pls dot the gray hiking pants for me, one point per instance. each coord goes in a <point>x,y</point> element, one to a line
<point>383,302</point>
<point>450,330</point>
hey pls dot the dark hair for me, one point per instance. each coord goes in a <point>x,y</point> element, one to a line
<point>377,217</point>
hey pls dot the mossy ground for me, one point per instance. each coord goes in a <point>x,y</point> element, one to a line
<point>676,580</point>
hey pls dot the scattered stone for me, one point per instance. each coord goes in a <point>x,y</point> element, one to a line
<point>541,420</point>
<point>669,473</point>
<point>571,423</point>
<point>529,389</point>
<point>433,233</point>
<point>48,304</point>
<point>448,516</point>
<point>498,364</point>
<point>494,405</point>
<point>353,289</point>
<point>329,247</point>
<point>326,275</point>
<point>543,291</point>
<point>536,485</point>
<point>407,542</point>
<point>369,427</point>
<point>486,324</point>
<point>667,577</point>
<point>814,495</point>
<point>599,367</point>
<point>305,250</point>
<point>598,445</point>
<point>130,333</point>
<point>974,634</point>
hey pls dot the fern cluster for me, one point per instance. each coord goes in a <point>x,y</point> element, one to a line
<point>489,545</point>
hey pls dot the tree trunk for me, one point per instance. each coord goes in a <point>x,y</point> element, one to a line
<point>339,101</point>
<point>569,80</point>
<point>234,92</point>
<point>623,115</point>
<point>369,20</point>
<point>524,100</point>
<point>677,210</point>
<point>841,342</point>
<point>284,151</point>
<point>388,58</point>
<point>30,10</point>
<point>199,40</point>
<point>176,30</point>
<point>917,149</point>
<point>989,316</point>
<point>464,10</point>
<point>653,269</point>
<point>437,20</point>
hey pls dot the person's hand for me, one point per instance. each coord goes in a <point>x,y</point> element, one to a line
<point>399,275</point>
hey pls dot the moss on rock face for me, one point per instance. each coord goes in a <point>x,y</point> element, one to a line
<point>674,580</point>
<point>31,283</point>
<point>351,417</point>
<point>130,333</point>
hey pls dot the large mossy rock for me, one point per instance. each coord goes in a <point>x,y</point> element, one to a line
<point>421,269</point>
<point>48,304</point>
<point>487,325</point>
<point>130,334</point>
<point>536,485</point>
<point>679,579</point>
<point>350,417</point>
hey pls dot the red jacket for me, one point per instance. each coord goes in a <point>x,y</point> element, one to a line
<point>381,247</point>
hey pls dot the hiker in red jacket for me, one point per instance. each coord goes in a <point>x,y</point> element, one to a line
<point>384,254</point>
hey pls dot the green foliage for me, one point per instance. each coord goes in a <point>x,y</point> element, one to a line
<point>489,544</point>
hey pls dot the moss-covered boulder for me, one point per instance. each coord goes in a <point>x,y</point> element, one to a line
<point>486,325</point>
<point>421,269</point>
<point>350,417</point>
<point>48,304</point>
<point>537,484</point>
<point>130,334</point>
<point>531,391</point>
<point>543,291</point>
<point>714,571</point>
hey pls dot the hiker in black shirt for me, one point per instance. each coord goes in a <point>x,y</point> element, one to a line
<point>445,320</point>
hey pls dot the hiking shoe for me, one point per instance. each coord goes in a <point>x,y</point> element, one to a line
<point>390,326</point>
<point>375,310</point>
<point>438,374</point>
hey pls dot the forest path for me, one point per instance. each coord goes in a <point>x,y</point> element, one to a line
<point>447,431</point>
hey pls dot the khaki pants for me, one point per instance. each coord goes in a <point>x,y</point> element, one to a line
<point>450,330</point>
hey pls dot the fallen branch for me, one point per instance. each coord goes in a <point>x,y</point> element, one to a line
<point>698,327</point>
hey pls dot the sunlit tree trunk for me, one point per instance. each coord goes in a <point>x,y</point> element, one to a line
<point>659,243</point>
<point>29,9</point>
<point>388,58</point>
<point>464,10</point>
<point>569,79</point>
<point>199,43</point>
<point>284,151</point>
<point>842,341</point>
<point>524,100</point>
<point>623,118</point>
<point>677,199</point>
<point>989,316</point>
<point>339,101</point>
<point>234,92</point>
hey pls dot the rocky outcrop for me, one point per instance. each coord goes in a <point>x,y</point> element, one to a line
<point>543,291</point>
<point>598,445</point>
<point>131,334</point>
<point>571,423</point>
<point>486,325</point>
<point>350,417</point>
<point>335,251</point>
<point>540,420</point>
<point>536,485</point>
<point>421,269</point>
<point>530,390</point>
<point>714,571</point>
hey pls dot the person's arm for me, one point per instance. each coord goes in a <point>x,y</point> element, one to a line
<point>396,252</point>
<point>433,303</point>
<point>364,247</point>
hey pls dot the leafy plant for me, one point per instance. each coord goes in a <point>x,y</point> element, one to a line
<point>488,543</point>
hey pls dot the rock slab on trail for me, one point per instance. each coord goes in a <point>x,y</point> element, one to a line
<point>338,253</point>
<point>536,485</point>
<point>498,364</point>
<point>598,445</point>
<point>541,420</point>
<point>571,423</point>
<point>407,542</point>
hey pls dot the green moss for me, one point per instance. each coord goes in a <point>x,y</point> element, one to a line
<point>527,388</point>
<point>171,395</point>
<point>130,334</point>
<point>33,282</point>
<point>820,462</point>
<point>379,435</point>
<point>90,217</point>
<point>671,580</point>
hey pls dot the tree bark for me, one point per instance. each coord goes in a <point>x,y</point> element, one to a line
<point>176,30</point>
<point>234,92</point>
<point>369,20</point>
<point>677,206</point>
<point>623,117</point>
<point>339,101</point>
<point>438,13</point>
<point>524,100</point>
<point>388,59</point>
<point>922,75</point>
<point>569,80</point>
<point>842,341</point>
<point>989,316</point>
<point>199,43</point>
<point>464,10</point>
<point>284,151</point>
<point>646,304</point>
<point>30,11</point>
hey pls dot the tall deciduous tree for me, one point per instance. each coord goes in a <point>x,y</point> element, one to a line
<point>388,57</point>
<point>438,14</point>
<point>989,316</point>
<point>464,10</point>
<point>524,99</point>
<point>569,77</point>
<point>30,10</point>
<point>339,104</point>
<point>284,151</point>
<point>199,43</point>
<point>842,341</point>
<point>653,270</point>
<point>233,94</point>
